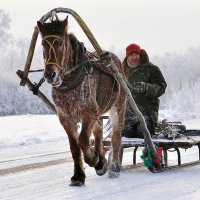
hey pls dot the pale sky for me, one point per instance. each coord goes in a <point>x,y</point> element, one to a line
<point>159,26</point>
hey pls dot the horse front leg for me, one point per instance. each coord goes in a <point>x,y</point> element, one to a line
<point>117,122</point>
<point>78,178</point>
<point>90,155</point>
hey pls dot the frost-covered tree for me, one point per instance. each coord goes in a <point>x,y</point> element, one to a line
<point>182,73</point>
<point>13,98</point>
<point>6,38</point>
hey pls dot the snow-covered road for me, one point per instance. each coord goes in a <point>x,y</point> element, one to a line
<point>35,163</point>
<point>52,183</point>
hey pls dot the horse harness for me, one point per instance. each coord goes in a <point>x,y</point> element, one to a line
<point>84,64</point>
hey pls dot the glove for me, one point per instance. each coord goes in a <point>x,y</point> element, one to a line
<point>139,87</point>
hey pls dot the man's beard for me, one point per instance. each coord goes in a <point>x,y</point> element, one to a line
<point>132,65</point>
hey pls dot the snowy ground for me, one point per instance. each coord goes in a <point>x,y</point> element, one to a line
<point>35,163</point>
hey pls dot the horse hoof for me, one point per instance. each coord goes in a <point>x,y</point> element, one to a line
<point>114,170</point>
<point>76,183</point>
<point>94,162</point>
<point>101,172</point>
<point>102,166</point>
<point>112,174</point>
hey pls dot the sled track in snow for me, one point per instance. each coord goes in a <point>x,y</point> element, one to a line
<point>36,156</point>
<point>34,165</point>
<point>67,158</point>
<point>21,168</point>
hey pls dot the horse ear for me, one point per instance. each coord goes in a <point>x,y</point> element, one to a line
<point>65,23</point>
<point>40,25</point>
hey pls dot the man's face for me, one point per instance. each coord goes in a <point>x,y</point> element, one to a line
<point>134,59</point>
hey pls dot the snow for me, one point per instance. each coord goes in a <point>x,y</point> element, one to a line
<point>33,139</point>
<point>28,129</point>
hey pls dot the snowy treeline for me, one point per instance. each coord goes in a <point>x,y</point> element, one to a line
<point>181,71</point>
<point>15,99</point>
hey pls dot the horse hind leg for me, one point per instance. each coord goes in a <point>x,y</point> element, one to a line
<point>117,123</point>
<point>101,166</point>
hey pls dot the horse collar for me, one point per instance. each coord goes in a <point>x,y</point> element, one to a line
<point>75,80</point>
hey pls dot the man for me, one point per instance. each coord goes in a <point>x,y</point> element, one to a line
<point>146,84</point>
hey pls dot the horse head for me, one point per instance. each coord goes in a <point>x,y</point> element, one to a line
<point>54,49</point>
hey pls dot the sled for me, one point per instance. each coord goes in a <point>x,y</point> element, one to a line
<point>171,136</point>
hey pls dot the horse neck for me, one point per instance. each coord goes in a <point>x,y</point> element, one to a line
<point>69,52</point>
<point>75,53</point>
<point>71,55</point>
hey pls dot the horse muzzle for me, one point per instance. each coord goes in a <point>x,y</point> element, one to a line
<point>50,76</point>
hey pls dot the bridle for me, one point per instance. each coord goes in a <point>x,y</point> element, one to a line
<point>62,66</point>
<point>63,70</point>
<point>52,50</point>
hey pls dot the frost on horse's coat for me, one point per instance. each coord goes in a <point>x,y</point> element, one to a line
<point>82,95</point>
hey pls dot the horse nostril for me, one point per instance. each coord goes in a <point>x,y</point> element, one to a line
<point>53,75</point>
<point>49,76</point>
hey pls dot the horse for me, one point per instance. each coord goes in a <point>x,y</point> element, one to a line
<point>83,91</point>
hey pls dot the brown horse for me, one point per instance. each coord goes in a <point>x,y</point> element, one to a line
<point>82,92</point>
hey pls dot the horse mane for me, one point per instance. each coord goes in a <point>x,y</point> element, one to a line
<point>78,47</point>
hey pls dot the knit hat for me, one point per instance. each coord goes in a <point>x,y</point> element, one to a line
<point>132,48</point>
